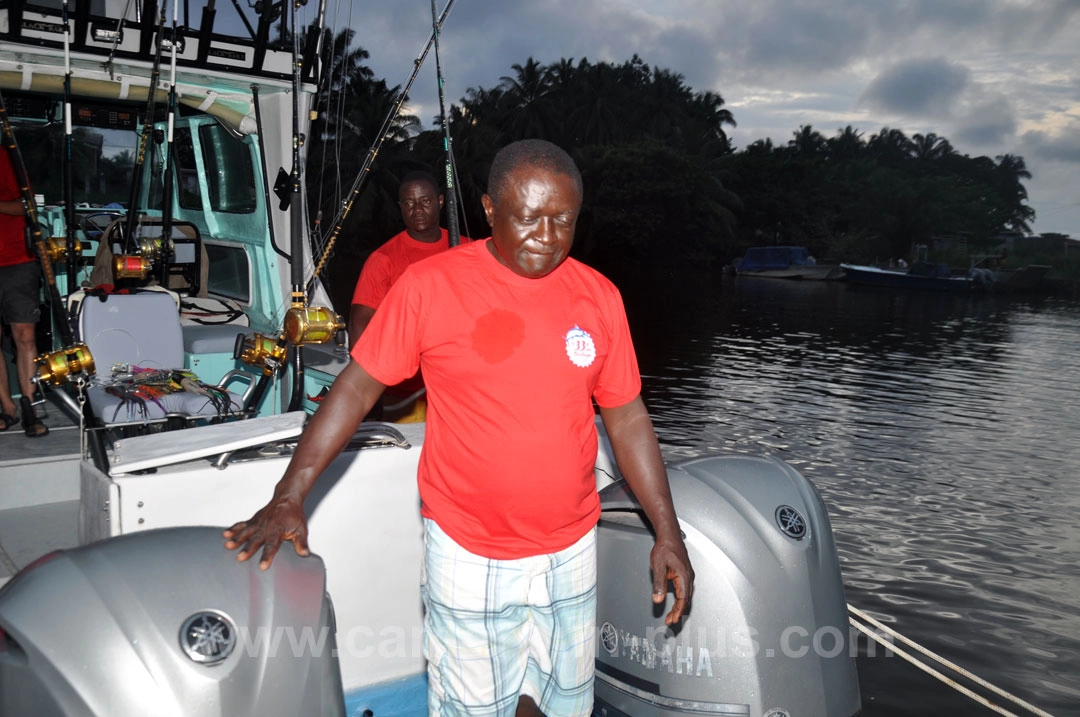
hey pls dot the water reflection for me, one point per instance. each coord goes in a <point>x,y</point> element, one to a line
<point>940,430</point>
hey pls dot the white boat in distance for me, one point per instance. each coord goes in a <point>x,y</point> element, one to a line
<point>785,262</point>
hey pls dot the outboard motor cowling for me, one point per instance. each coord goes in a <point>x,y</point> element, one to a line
<point>167,622</point>
<point>767,631</point>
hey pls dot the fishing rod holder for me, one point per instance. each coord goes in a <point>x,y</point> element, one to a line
<point>57,367</point>
<point>311,325</point>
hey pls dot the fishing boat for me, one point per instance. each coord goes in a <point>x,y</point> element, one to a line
<point>920,276</point>
<point>142,610</point>
<point>785,262</point>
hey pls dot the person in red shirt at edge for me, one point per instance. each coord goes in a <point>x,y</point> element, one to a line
<point>421,201</point>
<point>20,282</point>
<point>516,341</point>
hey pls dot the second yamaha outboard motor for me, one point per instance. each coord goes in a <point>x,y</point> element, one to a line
<point>767,632</point>
<point>166,622</point>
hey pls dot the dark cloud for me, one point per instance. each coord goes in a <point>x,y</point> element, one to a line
<point>919,87</point>
<point>1063,147</point>
<point>810,39</point>
<point>985,120</point>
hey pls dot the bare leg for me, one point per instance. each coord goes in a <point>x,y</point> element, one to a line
<point>25,353</point>
<point>527,708</point>
<point>6,404</point>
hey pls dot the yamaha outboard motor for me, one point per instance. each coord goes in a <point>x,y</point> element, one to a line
<point>166,622</point>
<point>767,632</point>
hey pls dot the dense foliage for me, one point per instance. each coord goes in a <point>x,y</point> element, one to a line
<point>663,184</point>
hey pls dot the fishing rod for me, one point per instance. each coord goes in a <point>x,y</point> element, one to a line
<point>73,358</point>
<point>365,169</point>
<point>165,250</point>
<point>303,324</point>
<point>451,193</point>
<point>296,215</point>
<point>144,139</point>
<point>69,192</point>
<point>117,34</point>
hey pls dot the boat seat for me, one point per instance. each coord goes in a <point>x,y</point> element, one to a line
<point>138,348</point>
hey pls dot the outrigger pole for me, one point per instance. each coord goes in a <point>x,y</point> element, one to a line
<point>73,358</point>
<point>303,324</point>
<point>69,194</point>
<point>296,214</point>
<point>358,184</point>
<point>451,190</point>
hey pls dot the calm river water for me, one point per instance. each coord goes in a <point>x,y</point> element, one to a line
<point>942,432</point>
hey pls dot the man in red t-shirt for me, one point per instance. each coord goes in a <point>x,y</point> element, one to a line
<point>19,304</point>
<point>420,201</point>
<point>516,341</point>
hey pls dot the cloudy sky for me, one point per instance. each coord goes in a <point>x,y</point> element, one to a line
<point>991,76</point>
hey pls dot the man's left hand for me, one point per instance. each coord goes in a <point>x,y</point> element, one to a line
<point>670,562</point>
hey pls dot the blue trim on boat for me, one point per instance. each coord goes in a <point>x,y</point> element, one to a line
<point>400,698</point>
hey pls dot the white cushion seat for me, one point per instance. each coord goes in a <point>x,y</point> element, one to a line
<point>141,330</point>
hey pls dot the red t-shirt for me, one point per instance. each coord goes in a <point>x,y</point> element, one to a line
<point>12,227</point>
<point>385,266</point>
<point>389,261</point>
<point>512,365</point>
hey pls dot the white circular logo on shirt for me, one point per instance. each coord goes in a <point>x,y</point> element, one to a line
<point>580,347</point>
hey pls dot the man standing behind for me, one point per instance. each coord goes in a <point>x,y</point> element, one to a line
<point>19,306</point>
<point>420,201</point>
<point>516,341</point>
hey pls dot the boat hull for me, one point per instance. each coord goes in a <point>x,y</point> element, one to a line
<point>888,278</point>
<point>815,272</point>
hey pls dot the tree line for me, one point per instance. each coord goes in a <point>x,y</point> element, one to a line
<point>664,186</point>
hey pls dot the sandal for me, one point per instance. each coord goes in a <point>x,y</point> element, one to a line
<point>7,421</point>
<point>32,425</point>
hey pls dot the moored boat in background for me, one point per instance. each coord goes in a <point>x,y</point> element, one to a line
<point>785,262</point>
<point>920,276</point>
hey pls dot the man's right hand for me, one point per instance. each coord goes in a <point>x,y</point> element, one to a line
<point>281,519</point>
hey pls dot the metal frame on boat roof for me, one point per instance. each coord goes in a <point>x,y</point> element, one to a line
<point>114,37</point>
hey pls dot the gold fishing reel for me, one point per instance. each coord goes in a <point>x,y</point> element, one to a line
<point>56,248</point>
<point>263,352</point>
<point>131,266</point>
<point>138,266</point>
<point>59,366</point>
<point>311,325</point>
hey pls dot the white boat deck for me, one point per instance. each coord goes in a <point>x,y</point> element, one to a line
<point>39,491</point>
<point>28,533</point>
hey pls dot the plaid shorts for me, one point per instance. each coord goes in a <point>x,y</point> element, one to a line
<point>494,629</point>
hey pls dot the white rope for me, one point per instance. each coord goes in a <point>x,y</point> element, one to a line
<point>927,669</point>
<point>952,666</point>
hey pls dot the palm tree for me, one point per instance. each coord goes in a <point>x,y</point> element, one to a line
<point>525,96</point>
<point>846,145</point>
<point>929,147</point>
<point>1009,171</point>
<point>890,146</point>
<point>807,142</point>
